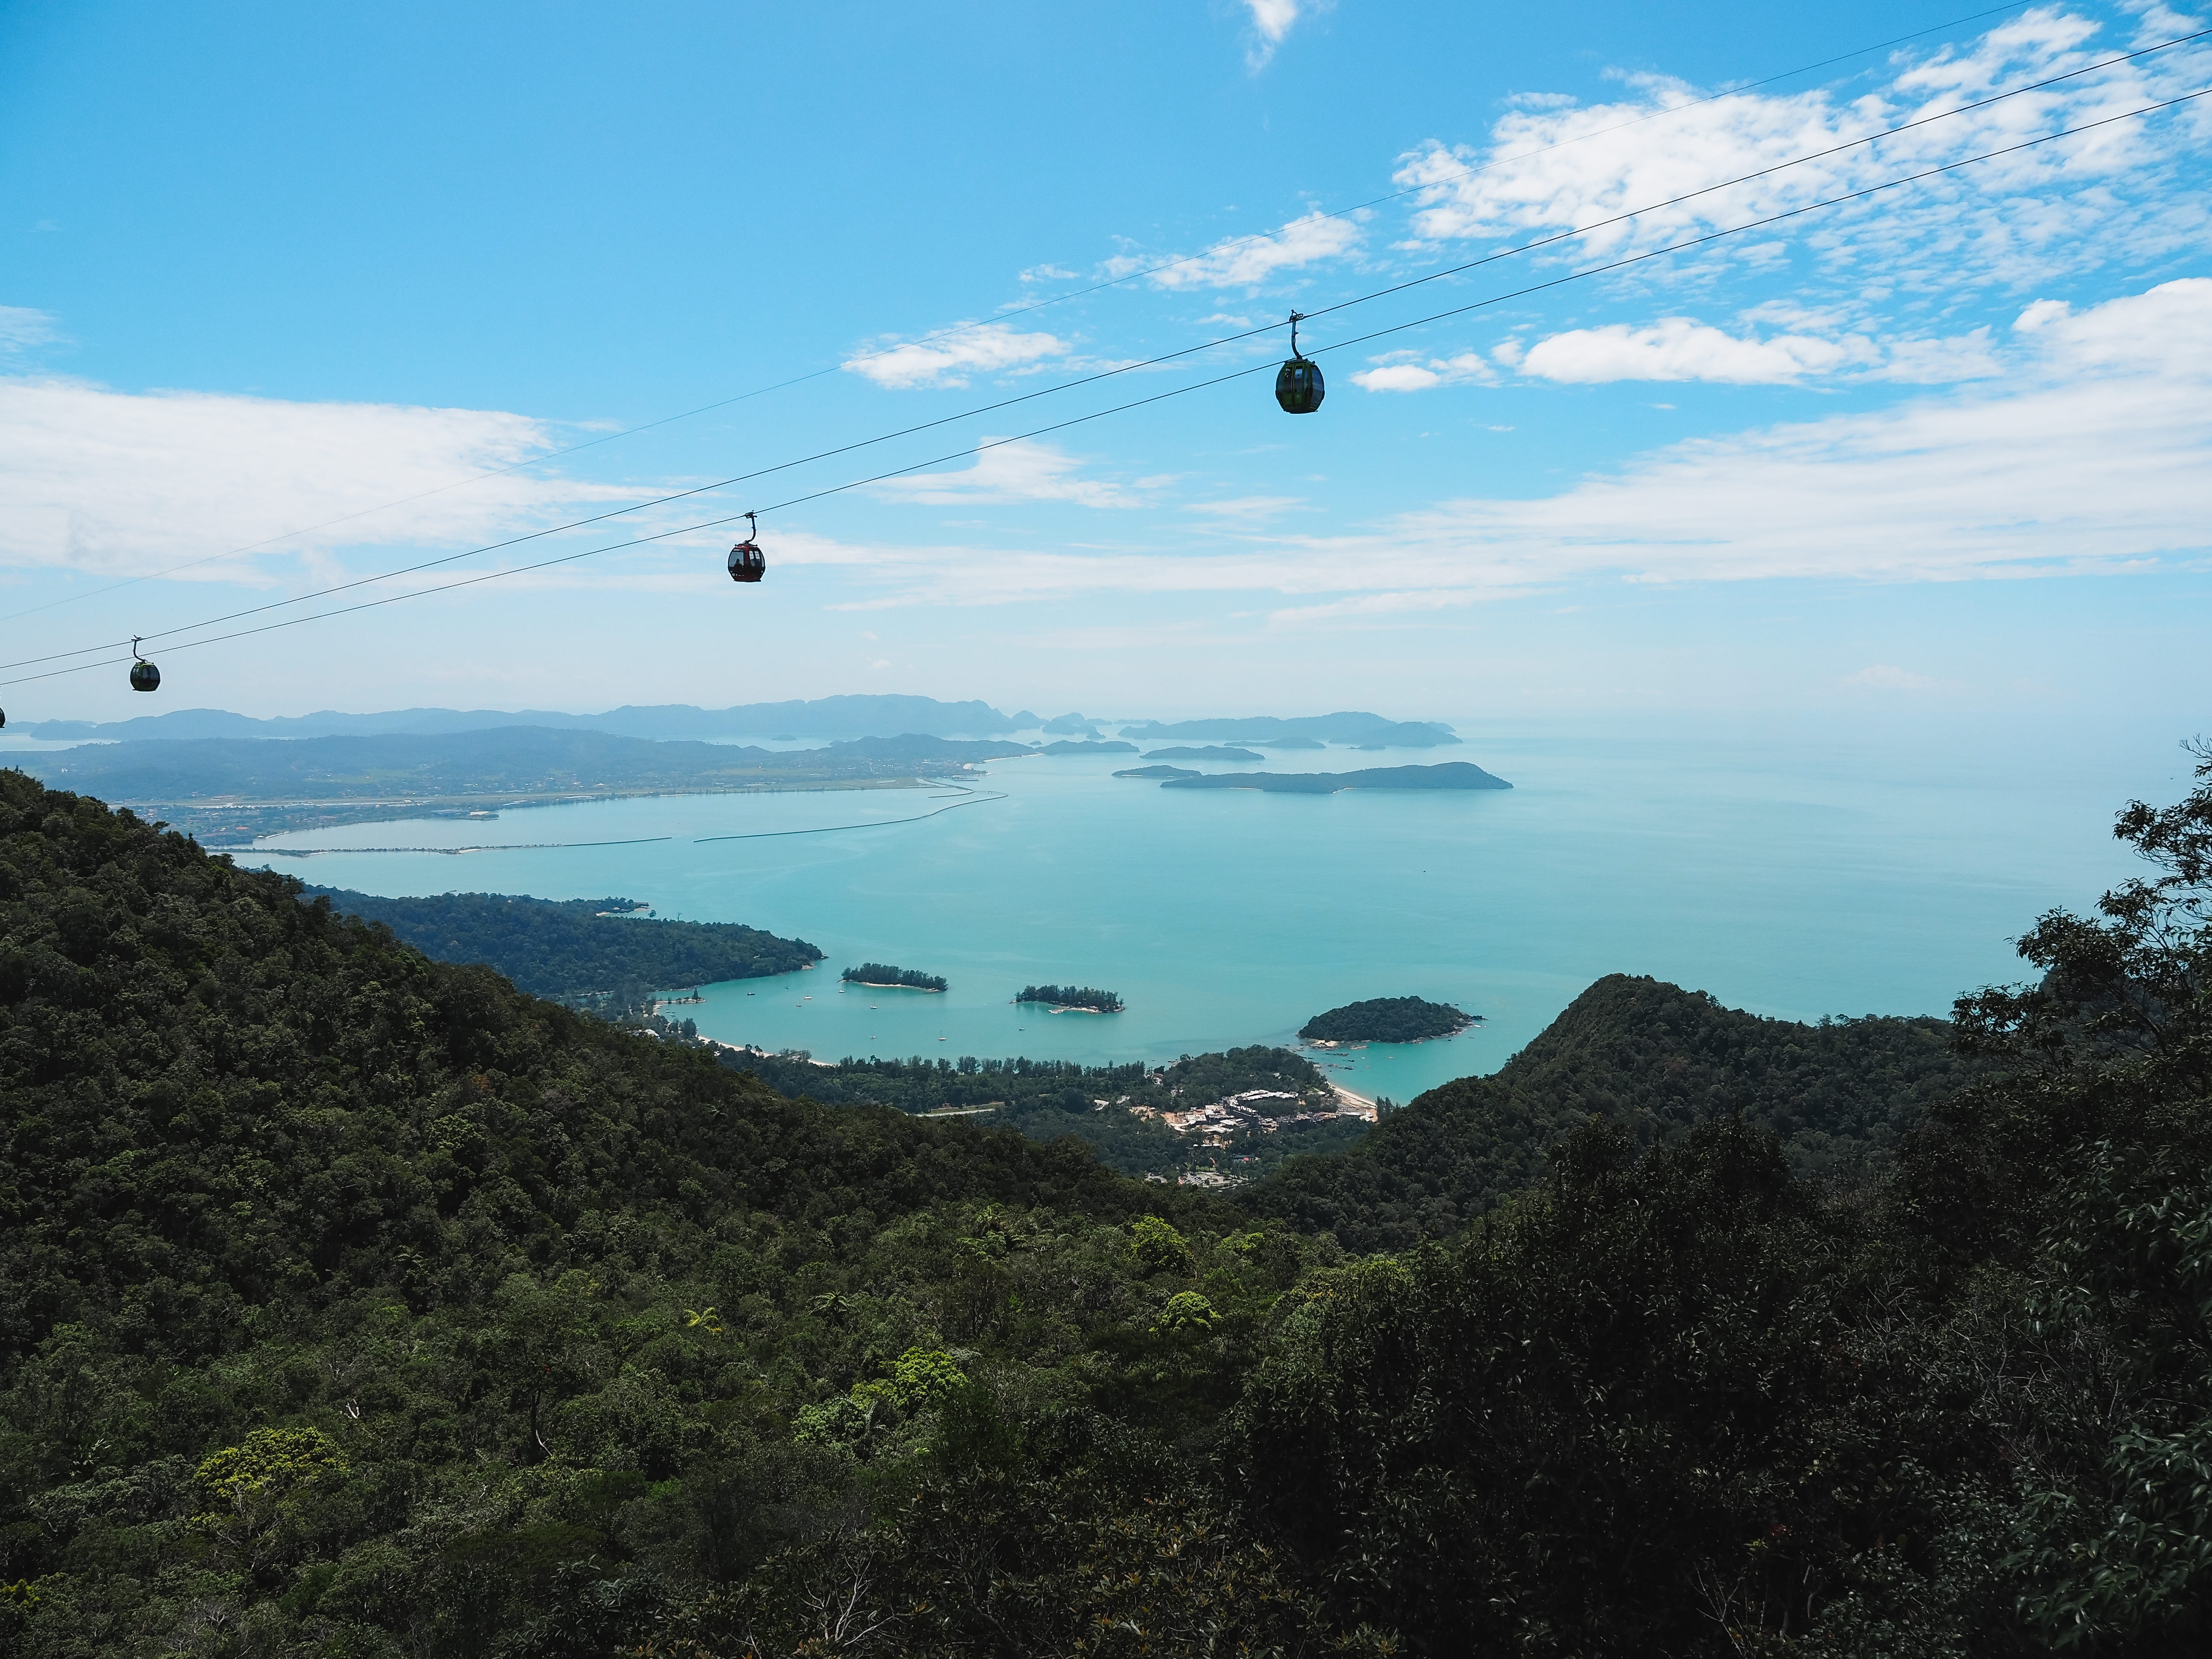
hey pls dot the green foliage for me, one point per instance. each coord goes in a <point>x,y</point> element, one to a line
<point>1186,1309</point>
<point>570,949</point>
<point>1158,1247</point>
<point>923,1377</point>
<point>1386,1019</point>
<point>883,973</point>
<point>1072,996</point>
<point>1543,1434</point>
<point>250,1489</point>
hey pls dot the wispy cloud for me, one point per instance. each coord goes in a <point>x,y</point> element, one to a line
<point>983,348</point>
<point>1246,510</point>
<point>1249,261</point>
<point>124,483</point>
<point>1020,472</point>
<point>1887,677</point>
<point>22,327</point>
<point>2062,207</point>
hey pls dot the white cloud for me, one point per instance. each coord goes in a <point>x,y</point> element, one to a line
<point>20,327</point>
<point>1271,23</point>
<point>124,483</point>
<point>1678,348</point>
<point>1019,472</point>
<point>1249,261</point>
<point>2094,455</point>
<point>984,348</point>
<point>1684,349</point>
<point>2065,206</point>
<point>1404,371</point>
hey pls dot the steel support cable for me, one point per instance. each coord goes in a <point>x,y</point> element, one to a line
<point>1126,368</point>
<point>1017,311</point>
<point>1161,397</point>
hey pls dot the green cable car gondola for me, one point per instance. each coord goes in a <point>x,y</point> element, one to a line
<point>144,676</point>
<point>1298,386</point>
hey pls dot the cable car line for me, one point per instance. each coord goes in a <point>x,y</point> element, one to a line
<point>1168,357</point>
<point>1175,392</point>
<point>1017,311</point>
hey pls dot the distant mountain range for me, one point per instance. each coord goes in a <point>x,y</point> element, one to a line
<point>864,716</point>
<point>872,715</point>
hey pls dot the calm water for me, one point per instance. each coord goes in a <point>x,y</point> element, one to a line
<point>1797,875</point>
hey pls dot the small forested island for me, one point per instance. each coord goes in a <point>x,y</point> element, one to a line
<point>1387,1019</point>
<point>1212,752</point>
<point>1072,996</point>
<point>1157,772</point>
<point>882,975</point>
<point>577,949</point>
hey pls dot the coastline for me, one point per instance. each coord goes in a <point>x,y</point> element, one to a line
<point>893,985</point>
<point>1358,1105</point>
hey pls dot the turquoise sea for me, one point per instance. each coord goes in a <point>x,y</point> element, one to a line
<point>1798,872</point>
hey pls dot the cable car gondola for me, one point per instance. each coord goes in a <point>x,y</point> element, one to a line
<point>746,564</point>
<point>144,676</point>
<point>1298,386</point>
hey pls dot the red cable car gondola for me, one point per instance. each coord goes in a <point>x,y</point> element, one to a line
<point>746,564</point>
<point>1298,386</point>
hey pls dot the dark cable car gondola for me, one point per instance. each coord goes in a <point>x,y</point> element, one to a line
<point>1298,386</point>
<point>144,676</point>
<point>746,564</point>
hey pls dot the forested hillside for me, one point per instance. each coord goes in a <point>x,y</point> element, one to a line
<point>353,1304</point>
<point>568,948</point>
<point>1652,1056</point>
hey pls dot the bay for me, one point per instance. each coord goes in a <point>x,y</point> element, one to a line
<point>1796,872</point>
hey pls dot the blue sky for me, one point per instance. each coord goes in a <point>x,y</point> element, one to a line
<point>280,284</point>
